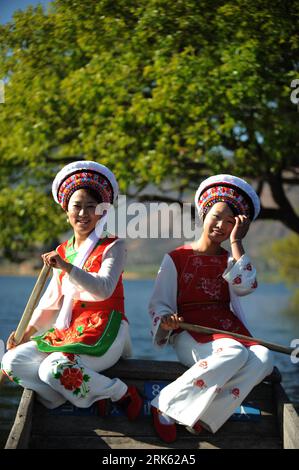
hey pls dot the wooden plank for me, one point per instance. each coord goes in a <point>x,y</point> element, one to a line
<point>96,429</point>
<point>120,426</point>
<point>288,419</point>
<point>291,427</point>
<point>111,442</point>
<point>146,369</point>
<point>20,431</point>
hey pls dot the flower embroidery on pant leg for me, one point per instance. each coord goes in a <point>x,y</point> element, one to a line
<point>200,383</point>
<point>72,377</point>
<point>70,356</point>
<point>237,280</point>
<point>235,392</point>
<point>203,364</point>
<point>12,378</point>
<point>248,267</point>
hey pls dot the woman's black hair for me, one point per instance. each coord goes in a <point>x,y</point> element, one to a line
<point>92,192</point>
<point>231,206</point>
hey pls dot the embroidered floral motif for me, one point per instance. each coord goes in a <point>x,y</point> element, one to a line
<point>187,277</point>
<point>219,350</point>
<point>212,287</point>
<point>254,284</point>
<point>235,392</point>
<point>248,267</point>
<point>238,279</point>
<point>80,329</point>
<point>218,390</point>
<point>92,264</point>
<point>156,319</point>
<point>70,356</point>
<point>12,378</point>
<point>197,261</point>
<point>200,383</point>
<point>203,364</point>
<point>71,376</point>
<point>226,324</point>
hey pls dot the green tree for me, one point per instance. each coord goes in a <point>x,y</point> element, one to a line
<point>155,89</point>
<point>284,255</point>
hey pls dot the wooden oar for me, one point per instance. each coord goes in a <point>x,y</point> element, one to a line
<point>31,304</point>
<point>203,329</point>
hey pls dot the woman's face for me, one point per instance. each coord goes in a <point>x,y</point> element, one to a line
<point>219,222</point>
<point>81,212</point>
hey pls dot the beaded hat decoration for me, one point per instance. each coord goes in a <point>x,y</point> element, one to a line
<point>84,175</point>
<point>236,192</point>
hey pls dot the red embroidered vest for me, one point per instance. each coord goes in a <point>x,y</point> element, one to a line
<point>203,294</point>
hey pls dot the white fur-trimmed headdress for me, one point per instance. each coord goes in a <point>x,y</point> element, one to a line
<point>84,174</point>
<point>230,189</point>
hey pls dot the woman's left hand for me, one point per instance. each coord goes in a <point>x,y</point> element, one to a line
<point>54,260</point>
<point>241,228</point>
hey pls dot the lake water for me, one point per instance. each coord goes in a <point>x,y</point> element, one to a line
<point>266,311</point>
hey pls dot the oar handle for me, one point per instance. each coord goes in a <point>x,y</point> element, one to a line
<point>32,302</point>
<point>206,330</point>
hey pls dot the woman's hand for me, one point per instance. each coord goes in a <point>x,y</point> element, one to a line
<point>240,229</point>
<point>11,342</point>
<point>54,260</point>
<point>171,322</point>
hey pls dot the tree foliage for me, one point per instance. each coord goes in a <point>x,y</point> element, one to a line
<point>156,90</point>
<point>284,254</point>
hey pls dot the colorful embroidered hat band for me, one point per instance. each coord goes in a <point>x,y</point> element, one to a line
<point>236,192</point>
<point>84,175</point>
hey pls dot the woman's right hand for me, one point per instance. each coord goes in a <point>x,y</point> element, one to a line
<point>171,322</point>
<point>11,343</point>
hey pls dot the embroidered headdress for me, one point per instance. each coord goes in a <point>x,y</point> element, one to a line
<point>236,192</point>
<point>84,175</point>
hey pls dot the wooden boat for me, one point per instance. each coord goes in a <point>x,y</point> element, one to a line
<point>270,420</point>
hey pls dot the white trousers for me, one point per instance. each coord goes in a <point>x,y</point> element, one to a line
<point>58,377</point>
<point>221,374</point>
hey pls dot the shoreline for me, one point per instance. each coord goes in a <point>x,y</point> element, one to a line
<point>21,272</point>
<point>145,273</point>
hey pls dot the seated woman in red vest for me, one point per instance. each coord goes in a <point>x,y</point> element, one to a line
<point>200,283</point>
<point>83,305</point>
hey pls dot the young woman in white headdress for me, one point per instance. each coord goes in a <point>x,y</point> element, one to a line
<point>200,283</point>
<point>83,305</point>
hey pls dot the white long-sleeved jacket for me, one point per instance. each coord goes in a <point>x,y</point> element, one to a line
<point>164,298</point>
<point>91,287</point>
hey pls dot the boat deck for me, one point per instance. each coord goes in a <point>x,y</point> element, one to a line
<point>274,426</point>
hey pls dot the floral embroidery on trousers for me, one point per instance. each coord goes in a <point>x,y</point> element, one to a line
<point>71,376</point>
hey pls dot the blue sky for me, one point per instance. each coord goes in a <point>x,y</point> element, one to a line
<point>8,7</point>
